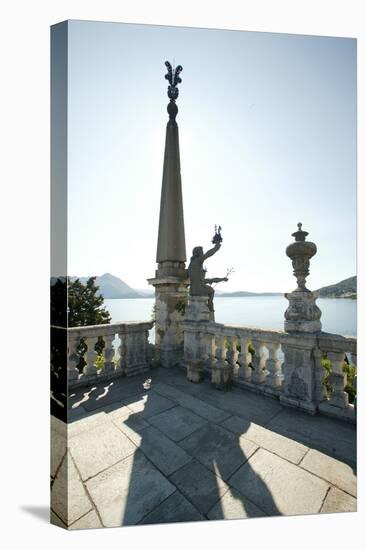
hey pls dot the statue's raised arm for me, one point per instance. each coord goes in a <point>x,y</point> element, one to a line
<point>212,251</point>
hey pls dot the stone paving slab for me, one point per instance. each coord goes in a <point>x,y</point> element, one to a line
<point>68,497</point>
<point>128,491</point>
<point>89,521</point>
<point>102,401</point>
<point>201,486</point>
<point>174,509</point>
<point>338,501</point>
<point>177,423</point>
<point>90,421</point>
<point>325,434</point>
<point>241,403</point>
<point>149,404</point>
<point>76,413</point>
<point>55,520</point>
<point>132,426</point>
<point>233,505</point>
<point>332,470</point>
<point>98,448</point>
<point>218,449</point>
<point>162,452</point>
<point>104,393</point>
<point>279,487</point>
<point>245,451</point>
<point>58,443</point>
<point>197,406</point>
<point>276,443</point>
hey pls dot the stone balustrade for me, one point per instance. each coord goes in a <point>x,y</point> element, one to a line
<point>126,351</point>
<point>337,350</point>
<point>286,366</point>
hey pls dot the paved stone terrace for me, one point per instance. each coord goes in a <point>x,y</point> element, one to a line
<point>157,448</point>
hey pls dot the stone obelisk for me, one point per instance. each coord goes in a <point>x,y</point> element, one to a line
<point>171,278</point>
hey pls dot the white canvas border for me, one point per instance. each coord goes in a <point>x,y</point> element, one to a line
<point>25,266</point>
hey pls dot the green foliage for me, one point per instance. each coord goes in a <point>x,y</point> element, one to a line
<point>85,306</point>
<point>251,349</point>
<point>348,369</point>
<point>181,307</point>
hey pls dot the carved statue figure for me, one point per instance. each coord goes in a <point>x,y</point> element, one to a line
<point>199,285</point>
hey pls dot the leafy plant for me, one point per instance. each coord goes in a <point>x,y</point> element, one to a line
<point>348,369</point>
<point>86,307</point>
<point>180,306</point>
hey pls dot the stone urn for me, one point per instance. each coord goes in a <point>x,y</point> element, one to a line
<point>302,314</point>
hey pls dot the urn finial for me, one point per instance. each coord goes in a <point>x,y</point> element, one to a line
<point>302,314</point>
<point>300,253</point>
<point>300,235</point>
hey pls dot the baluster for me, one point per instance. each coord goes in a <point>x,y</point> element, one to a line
<point>258,362</point>
<point>131,349</point>
<point>131,358</point>
<point>214,350</point>
<point>218,376</point>
<point>73,357</point>
<point>122,351</point>
<point>145,347</point>
<point>245,359</point>
<point>209,355</point>
<point>90,356</point>
<point>320,373</point>
<point>273,365</point>
<point>338,380</point>
<point>354,384</point>
<point>140,346</point>
<point>232,356</point>
<point>136,350</point>
<point>108,353</point>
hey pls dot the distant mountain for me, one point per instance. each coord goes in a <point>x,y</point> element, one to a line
<point>145,292</point>
<point>344,289</point>
<point>113,287</point>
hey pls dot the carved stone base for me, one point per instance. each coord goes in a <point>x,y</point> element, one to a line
<point>170,303</point>
<point>300,372</point>
<point>302,314</point>
<point>306,406</point>
<point>303,326</point>
<point>195,371</point>
<point>346,413</point>
<point>167,358</point>
<point>221,376</point>
<point>197,309</point>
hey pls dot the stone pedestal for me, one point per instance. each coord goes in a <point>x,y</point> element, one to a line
<point>302,314</point>
<point>300,388</point>
<point>195,337</point>
<point>301,367</point>
<point>170,304</point>
<point>197,309</point>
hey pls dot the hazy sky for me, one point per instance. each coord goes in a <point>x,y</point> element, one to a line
<point>267,128</point>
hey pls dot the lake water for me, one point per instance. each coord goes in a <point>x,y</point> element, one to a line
<point>338,315</point>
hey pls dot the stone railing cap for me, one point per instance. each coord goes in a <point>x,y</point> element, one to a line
<point>130,326</point>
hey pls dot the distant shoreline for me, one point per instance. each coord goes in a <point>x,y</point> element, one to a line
<point>234,295</point>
